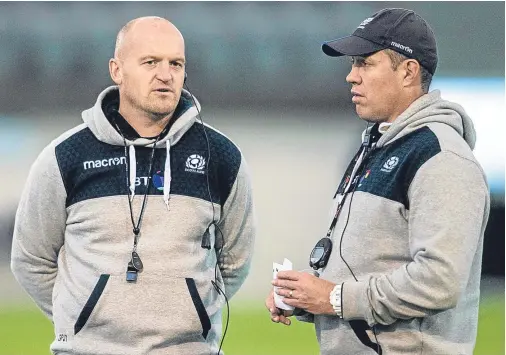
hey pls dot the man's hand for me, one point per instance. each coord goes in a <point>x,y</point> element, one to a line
<point>277,315</point>
<point>303,290</point>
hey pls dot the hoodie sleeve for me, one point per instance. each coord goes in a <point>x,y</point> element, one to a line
<point>39,230</point>
<point>238,226</point>
<point>449,205</point>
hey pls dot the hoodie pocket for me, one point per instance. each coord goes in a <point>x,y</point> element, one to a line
<point>91,303</point>
<point>205,321</point>
<point>158,311</point>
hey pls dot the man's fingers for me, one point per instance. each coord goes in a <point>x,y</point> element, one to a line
<point>289,275</point>
<point>285,320</point>
<point>293,302</point>
<point>269,301</point>
<point>285,292</point>
<point>275,311</point>
<point>281,319</point>
<point>289,284</point>
<point>277,315</point>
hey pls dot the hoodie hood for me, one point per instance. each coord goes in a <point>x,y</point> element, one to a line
<point>97,122</point>
<point>100,126</point>
<point>430,108</point>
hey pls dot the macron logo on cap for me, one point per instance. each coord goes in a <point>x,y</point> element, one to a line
<point>400,46</point>
<point>365,22</point>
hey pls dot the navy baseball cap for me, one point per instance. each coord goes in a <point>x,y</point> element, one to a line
<point>398,29</point>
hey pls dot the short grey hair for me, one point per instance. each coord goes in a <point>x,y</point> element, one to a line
<point>397,58</point>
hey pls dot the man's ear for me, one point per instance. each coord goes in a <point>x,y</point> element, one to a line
<point>411,72</point>
<point>115,71</point>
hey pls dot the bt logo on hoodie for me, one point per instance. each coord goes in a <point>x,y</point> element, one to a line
<point>158,180</point>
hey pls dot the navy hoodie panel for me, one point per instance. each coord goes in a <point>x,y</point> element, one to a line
<point>389,171</point>
<point>93,169</point>
<point>225,158</point>
<point>229,162</point>
<point>90,168</point>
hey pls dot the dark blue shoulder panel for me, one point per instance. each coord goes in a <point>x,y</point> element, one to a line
<point>224,162</point>
<point>93,169</point>
<point>90,168</point>
<point>389,171</point>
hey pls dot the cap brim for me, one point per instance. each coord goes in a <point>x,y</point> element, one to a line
<point>350,45</point>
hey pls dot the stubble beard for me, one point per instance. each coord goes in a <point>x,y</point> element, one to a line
<point>156,111</point>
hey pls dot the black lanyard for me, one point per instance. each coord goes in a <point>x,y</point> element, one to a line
<point>349,183</point>
<point>321,252</point>
<point>135,264</point>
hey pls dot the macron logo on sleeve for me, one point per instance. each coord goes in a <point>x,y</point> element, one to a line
<point>93,164</point>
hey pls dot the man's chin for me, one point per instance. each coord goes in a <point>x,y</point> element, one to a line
<point>159,116</point>
<point>159,113</point>
<point>366,116</point>
<point>362,114</point>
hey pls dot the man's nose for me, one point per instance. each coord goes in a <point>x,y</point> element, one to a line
<point>164,71</point>
<point>353,77</point>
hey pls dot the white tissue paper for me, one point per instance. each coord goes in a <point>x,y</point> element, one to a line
<point>278,300</point>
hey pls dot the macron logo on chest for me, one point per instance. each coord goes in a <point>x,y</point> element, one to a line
<point>93,164</point>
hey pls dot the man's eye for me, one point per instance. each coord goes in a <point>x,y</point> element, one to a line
<point>358,62</point>
<point>149,62</point>
<point>177,64</point>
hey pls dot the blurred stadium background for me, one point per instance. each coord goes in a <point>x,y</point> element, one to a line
<point>258,70</point>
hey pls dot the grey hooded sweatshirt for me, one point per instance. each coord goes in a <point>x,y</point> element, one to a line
<point>73,236</point>
<point>413,239</point>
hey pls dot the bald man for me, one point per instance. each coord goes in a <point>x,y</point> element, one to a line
<point>135,227</point>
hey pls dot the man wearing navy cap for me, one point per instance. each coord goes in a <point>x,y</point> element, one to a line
<point>399,268</point>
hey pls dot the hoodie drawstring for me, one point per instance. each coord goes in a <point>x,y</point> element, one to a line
<point>133,171</point>
<point>133,174</point>
<point>167,177</point>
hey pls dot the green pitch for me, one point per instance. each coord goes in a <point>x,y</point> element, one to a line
<point>25,331</point>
